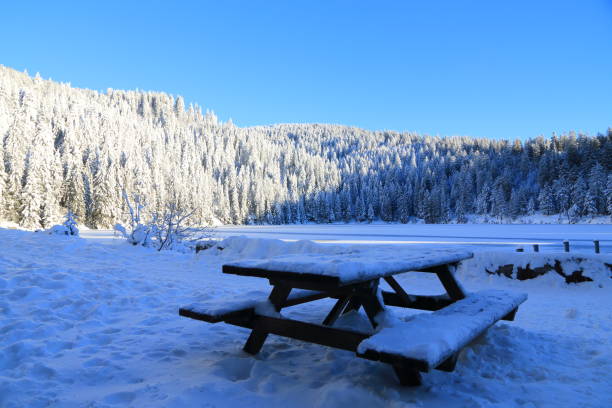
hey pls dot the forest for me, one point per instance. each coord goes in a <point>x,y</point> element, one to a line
<point>64,148</point>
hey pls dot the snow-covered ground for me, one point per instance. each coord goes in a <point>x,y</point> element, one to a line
<point>93,322</point>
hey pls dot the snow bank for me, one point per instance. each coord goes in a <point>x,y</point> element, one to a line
<point>244,247</point>
<point>571,268</point>
<point>9,225</point>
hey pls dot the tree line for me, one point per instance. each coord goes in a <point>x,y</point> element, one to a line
<point>64,148</point>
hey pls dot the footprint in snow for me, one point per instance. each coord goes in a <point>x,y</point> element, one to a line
<point>234,368</point>
<point>124,397</point>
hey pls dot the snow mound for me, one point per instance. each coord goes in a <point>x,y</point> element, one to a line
<point>244,247</point>
<point>72,231</point>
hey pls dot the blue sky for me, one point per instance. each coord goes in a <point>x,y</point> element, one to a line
<point>501,69</point>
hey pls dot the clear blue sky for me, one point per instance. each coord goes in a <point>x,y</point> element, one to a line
<point>502,69</point>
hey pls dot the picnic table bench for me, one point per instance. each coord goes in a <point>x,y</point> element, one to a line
<point>421,343</point>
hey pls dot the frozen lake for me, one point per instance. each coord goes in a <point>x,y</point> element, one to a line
<point>548,236</point>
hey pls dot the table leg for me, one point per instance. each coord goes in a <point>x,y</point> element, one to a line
<point>335,312</point>
<point>372,305</point>
<point>399,290</point>
<point>258,336</point>
<point>407,375</point>
<point>450,283</point>
<point>353,305</point>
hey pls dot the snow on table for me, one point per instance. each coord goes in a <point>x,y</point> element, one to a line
<point>347,268</point>
<point>433,337</point>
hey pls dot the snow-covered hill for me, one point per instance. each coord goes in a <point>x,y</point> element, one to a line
<point>94,322</point>
<point>68,148</point>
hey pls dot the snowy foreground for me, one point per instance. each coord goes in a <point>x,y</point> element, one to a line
<point>94,322</point>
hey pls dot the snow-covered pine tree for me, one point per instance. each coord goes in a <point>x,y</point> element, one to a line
<point>608,195</point>
<point>151,145</point>
<point>546,198</point>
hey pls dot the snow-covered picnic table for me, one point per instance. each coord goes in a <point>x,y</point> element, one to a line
<point>428,341</point>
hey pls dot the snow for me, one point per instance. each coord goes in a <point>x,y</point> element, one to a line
<point>256,299</point>
<point>594,266</point>
<point>94,322</point>
<point>356,266</point>
<point>433,337</point>
<point>550,237</point>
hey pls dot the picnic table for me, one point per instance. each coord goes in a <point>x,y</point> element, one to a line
<point>426,341</point>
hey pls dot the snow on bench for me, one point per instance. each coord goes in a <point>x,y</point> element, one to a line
<point>428,339</point>
<point>345,268</point>
<point>215,311</point>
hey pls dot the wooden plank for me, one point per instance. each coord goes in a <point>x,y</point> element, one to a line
<point>420,302</point>
<point>314,281</point>
<point>371,303</point>
<point>450,284</point>
<point>449,364</point>
<point>333,315</point>
<point>243,313</point>
<point>431,339</point>
<point>297,280</point>
<point>212,316</point>
<point>398,289</point>
<point>310,332</point>
<point>433,269</point>
<point>510,316</point>
<point>258,336</point>
<point>305,299</point>
<point>394,359</point>
<point>407,375</point>
<point>353,305</point>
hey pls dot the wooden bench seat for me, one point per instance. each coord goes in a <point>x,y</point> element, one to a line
<point>433,340</point>
<point>219,311</point>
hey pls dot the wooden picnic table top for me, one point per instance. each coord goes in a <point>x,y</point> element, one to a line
<point>339,270</point>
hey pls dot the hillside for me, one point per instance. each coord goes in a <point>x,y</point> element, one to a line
<point>68,148</point>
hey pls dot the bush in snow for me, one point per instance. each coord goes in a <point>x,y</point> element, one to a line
<point>173,229</point>
<point>69,227</point>
<point>167,229</point>
<point>71,224</point>
<point>136,233</point>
